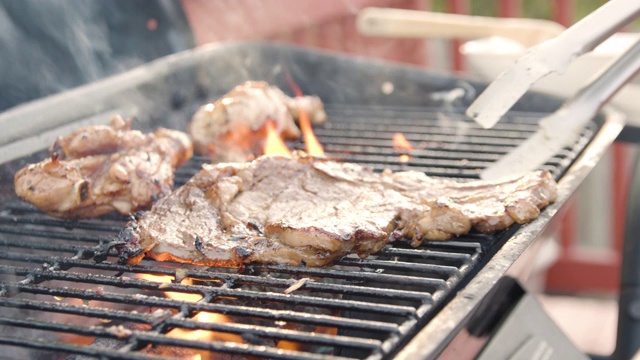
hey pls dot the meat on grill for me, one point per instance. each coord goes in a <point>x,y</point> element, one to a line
<point>104,168</point>
<point>233,128</point>
<point>314,211</point>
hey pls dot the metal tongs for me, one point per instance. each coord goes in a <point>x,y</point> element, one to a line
<point>551,56</point>
<point>562,127</point>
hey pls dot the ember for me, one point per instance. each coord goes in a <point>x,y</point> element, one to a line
<point>401,144</point>
<point>202,316</point>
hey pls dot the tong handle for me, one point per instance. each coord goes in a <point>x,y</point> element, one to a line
<point>552,56</point>
<point>562,127</point>
<point>611,16</point>
<point>587,33</point>
<point>599,90</point>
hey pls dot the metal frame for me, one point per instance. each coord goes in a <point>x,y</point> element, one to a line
<point>512,258</point>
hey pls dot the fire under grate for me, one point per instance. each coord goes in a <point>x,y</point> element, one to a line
<point>58,302</point>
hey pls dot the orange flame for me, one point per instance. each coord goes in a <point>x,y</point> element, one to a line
<point>401,144</point>
<point>314,148</point>
<point>292,345</point>
<point>273,144</point>
<point>202,316</point>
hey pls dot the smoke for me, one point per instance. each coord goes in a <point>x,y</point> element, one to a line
<point>49,46</point>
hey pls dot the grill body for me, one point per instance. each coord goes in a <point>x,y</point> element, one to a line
<point>401,302</point>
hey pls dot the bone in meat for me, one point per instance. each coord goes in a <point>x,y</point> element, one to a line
<point>307,210</point>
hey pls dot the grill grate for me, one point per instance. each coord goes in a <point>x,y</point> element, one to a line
<point>56,299</point>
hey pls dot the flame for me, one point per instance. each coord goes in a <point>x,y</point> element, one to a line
<point>202,316</point>
<point>273,144</point>
<point>401,144</point>
<point>314,148</point>
<point>292,345</point>
<point>207,335</point>
<point>72,338</point>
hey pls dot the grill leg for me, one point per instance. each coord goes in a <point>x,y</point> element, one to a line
<point>628,338</point>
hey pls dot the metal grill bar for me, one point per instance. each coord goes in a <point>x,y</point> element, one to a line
<point>361,276</point>
<point>428,254</point>
<point>441,270</point>
<point>261,331</point>
<point>84,225</point>
<point>52,234</point>
<point>255,330</point>
<point>147,337</point>
<point>457,154</point>
<point>76,349</point>
<point>43,275</point>
<point>19,243</point>
<point>363,134</point>
<point>450,125</point>
<point>382,138</point>
<point>93,312</point>
<point>350,276</point>
<point>279,334</point>
<point>233,279</point>
<point>140,300</point>
<point>19,210</point>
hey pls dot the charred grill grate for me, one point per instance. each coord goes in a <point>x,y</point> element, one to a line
<point>56,299</point>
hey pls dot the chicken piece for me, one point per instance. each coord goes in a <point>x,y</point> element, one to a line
<point>308,210</point>
<point>104,168</point>
<point>233,127</point>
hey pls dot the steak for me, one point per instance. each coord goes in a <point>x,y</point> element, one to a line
<point>104,168</point>
<point>233,127</point>
<point>306,210</point>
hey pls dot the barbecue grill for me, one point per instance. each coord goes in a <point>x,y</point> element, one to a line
<point>63,294</point>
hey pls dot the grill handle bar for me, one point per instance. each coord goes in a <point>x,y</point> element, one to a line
<point>628,339</point>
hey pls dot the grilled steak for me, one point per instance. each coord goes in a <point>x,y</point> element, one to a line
<point>100,169</point>
<point>233,127</point>
<point>313,211</point>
